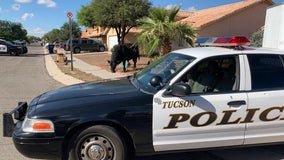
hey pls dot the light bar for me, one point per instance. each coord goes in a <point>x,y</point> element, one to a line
<point>223,41</point>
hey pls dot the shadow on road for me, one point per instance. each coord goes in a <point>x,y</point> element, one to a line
<point>197,155</point>
<point>22,55</point>
<point>32,55</point>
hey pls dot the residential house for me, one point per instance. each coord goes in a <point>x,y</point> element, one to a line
<point>241,18</point>
<point>108,36</point>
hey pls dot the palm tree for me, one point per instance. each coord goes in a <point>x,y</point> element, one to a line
<point>160,29</point>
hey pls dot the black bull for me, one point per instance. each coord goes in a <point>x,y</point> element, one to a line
<point>123,53</point>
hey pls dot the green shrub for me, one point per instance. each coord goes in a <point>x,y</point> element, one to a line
<point>256,38</point>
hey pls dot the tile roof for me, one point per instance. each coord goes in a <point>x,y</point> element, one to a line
<point>204,17</point>
<point>182,15</point>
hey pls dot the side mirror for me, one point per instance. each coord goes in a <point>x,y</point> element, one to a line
<point>156,81</point>
<point>180,89</point>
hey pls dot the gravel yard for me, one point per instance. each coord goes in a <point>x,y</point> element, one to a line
<point>100,60</point>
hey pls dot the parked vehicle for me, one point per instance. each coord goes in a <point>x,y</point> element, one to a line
<point>84,44</point>
<point>23,44</point>
<point>63,44</point>
<point>194,98</point>
<point>8,47</point>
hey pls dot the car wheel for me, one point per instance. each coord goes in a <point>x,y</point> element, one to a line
<point>13,53</point>
<point>101,49</point>
<point>77,50</point>
<point>98,143</point>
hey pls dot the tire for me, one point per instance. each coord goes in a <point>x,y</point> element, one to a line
<point>98,143</point>
<point>13,53</point>
<point>101,49</point>
<point>77,50</point>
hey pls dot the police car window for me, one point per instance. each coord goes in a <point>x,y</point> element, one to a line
<point>9,43</point>
<point>217,74</point>
<point>267,71</point>
<point>166,68</point>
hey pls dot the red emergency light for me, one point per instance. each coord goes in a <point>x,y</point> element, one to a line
<point>233,41</point>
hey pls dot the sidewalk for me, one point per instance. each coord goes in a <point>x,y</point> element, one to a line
<point>97,71</point>
<point>59,76</point>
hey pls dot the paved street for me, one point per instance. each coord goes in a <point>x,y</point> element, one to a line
<point>24,77</point>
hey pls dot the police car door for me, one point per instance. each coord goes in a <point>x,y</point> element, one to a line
<point>201,120</point>
<point>266,102</point>
<point>3,47</point>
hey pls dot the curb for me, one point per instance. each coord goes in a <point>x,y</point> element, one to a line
<point>56,73</point>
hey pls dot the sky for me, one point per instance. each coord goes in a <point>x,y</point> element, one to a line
<point>41,16</point>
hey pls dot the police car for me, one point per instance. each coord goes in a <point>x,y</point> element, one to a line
<point>204,97</point>
<point>7,47</point>
<point>23,44</point>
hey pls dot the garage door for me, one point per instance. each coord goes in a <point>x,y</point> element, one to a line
<point>112,41</point>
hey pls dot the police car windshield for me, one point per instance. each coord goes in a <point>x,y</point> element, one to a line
<point>9,43</point>
<point>166,68</point>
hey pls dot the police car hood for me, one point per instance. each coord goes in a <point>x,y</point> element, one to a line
<point>109,87</point>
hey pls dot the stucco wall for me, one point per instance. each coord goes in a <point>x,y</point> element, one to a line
<point>244,23</point>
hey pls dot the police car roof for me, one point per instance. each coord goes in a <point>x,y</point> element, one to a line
<point>203,52</point>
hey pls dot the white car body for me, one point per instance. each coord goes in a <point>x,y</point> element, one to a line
<point>3,48</point>
<point>219,119</point>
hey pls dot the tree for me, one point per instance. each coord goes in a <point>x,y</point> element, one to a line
<point>160,29</point>
<point>53,35</point>
<point>12,31</point>
<point>256,38</point>
<point>32,38</point>
<point>85,16</point>
<point>62,34</point>
<point>76,30</point>
<point>121,15</point>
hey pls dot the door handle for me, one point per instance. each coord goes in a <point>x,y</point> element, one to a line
<point>236,103</point>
